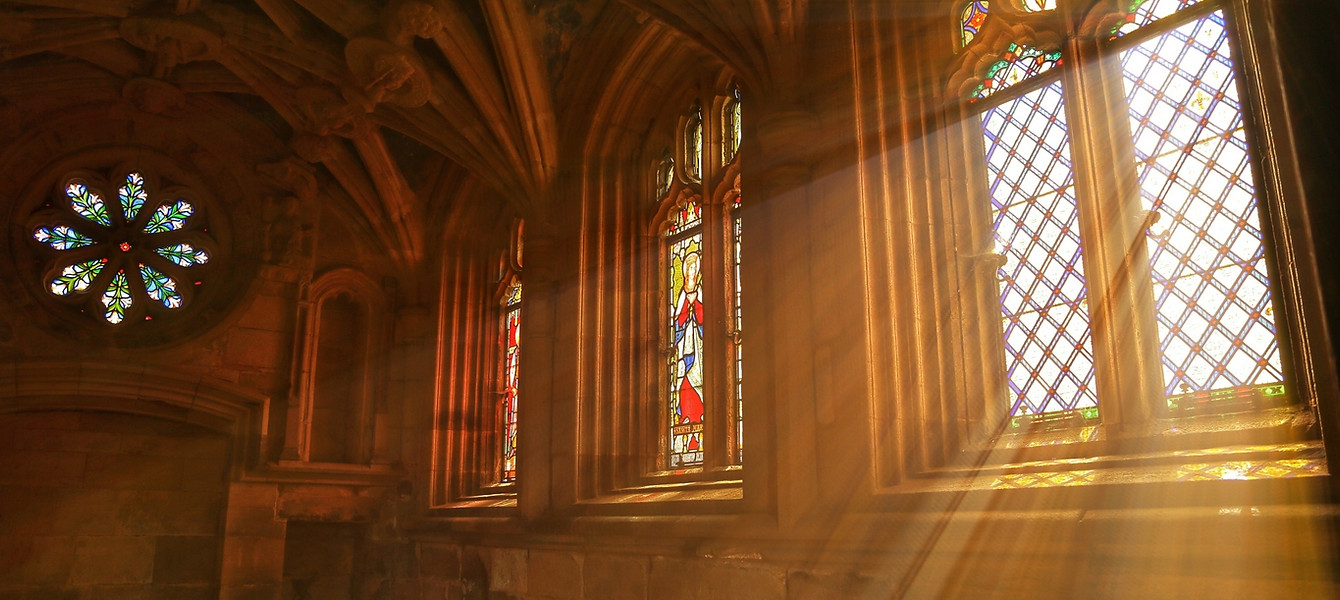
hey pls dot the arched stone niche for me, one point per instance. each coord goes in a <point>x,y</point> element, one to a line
<point>341,343</point>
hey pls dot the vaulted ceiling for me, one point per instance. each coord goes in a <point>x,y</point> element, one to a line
<point>394,100</point>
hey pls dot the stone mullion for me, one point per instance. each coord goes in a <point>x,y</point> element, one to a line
<point>716,312</point>
<point>537,376</point>
<point>781,355</point>
<point>716,301</point>
<point>1112,232</point>
<point>986,388</point>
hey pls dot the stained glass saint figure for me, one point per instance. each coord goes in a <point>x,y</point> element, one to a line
<point>511,360</point>
<point>686,411</point>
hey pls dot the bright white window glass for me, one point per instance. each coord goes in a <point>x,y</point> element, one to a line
<point>1212,296</point>
<point>1048,352</point>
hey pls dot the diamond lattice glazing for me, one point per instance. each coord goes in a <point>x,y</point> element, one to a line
<point>1049,357</point>
<point>1211,287</point>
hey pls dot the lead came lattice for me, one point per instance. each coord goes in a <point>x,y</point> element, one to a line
<point>1048,354</point>
<point>1211,287</point>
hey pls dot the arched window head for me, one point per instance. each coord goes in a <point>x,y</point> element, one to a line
<point>971,19</point>
<point>693,144</point>
<point>130,259</point>
<point>687,214</point>
<point>1034,6</point>
<point>665,174</point>
<point>730,127</point>
<point>1019,64</point>
<point>1140,13</point>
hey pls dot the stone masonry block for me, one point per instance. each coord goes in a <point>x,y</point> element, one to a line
<point>203,474</point>
<point>29,560</point>
<point>507,570</point>
<point>263,591</point>
<point>554,575</point>
<point>182,559</point>
<point>439,561</point>
<point>26,510</point>
<point>268,312</point>
<point>131,471</point>
<point>614,577</point>
<point>746,581</point>
<point>672,578</point>
<point>85,511</point>
<point>711,578</point>
<point>252,560</point>
<point>253,494</point>
<point>171,513</point>
<point>41,468</point>
<point>256,521</point>
<point>257,348</point>
<point>113,559</point>
<point>806,585</point>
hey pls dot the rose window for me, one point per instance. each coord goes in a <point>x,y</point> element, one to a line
<point>129,259</point>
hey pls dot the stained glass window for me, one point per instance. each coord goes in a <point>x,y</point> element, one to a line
<point>693,144</point>
<point>1049,358</point>
<point>665,174</point>
<point>737,338</point>
<point>132,254</point>
<point>974,14</point>
<point>511,356</point>
<point>1140,13</point>
<point>700,253</point>
<point>1038,5</point>
<point>686,215</point>
<point>730,127</point>
<point>1213,310</point>
<point>1020,63</point>
<point>1212,295</point>
<point>686,333</point>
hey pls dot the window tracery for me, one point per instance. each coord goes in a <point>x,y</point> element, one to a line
<point>510,347</point>
<point>699,226</point>
<point>132,259</point>
<point>1206,272</point>
<point>971,18</point>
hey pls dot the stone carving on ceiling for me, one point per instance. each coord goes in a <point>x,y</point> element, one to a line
<point>153,96</point>
<point>409,20</point>
<point>173,40</point>
<point>385,72</point>
<point>325,112</point>
<point>289,218</point>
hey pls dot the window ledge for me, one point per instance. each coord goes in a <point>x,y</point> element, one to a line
<point>717,496</point>
<point>328,473</point>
